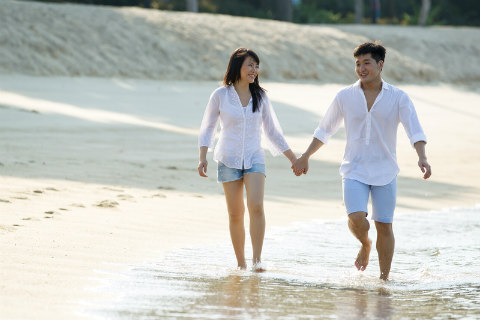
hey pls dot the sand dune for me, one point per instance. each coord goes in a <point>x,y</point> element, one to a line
<point>79,40</point>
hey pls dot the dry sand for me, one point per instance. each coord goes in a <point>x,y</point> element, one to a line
<point>100,173</point>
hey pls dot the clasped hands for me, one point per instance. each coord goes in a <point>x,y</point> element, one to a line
<point>300,166</point>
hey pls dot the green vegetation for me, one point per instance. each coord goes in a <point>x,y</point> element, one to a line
<point>404,12</point>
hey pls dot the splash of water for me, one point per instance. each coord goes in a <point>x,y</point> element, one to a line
<point>311,275</point>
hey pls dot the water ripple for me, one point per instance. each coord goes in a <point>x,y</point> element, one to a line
<point>435,275</point>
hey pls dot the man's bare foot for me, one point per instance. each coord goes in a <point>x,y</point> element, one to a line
<point>363,255</point>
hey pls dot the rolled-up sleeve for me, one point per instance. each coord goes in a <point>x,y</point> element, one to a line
<point>208,128</point>
<point>276,142</point>
<point>409,119</point>
<point>330,122</point>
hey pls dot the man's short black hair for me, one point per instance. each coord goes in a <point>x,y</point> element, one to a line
<point>374,48</point>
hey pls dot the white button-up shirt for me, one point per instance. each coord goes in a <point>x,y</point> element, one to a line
<point>370,153</point>
<point>239,145</point>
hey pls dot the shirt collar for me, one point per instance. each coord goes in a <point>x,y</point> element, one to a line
<point>385,85</point>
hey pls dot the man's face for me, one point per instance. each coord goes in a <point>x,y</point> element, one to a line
<point>367,68</point>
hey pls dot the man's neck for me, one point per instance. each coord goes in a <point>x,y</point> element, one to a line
<point>374,85</point>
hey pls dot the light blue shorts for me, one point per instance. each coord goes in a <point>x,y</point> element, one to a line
<point>384,198</point>
<point>226,174</point>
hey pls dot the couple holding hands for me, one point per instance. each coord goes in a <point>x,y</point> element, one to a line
<point>370,109</point>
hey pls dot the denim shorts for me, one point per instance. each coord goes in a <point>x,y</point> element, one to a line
<point>384,198</point>
<point>226,174</point>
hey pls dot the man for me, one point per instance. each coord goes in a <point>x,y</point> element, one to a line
<point>371,110</point>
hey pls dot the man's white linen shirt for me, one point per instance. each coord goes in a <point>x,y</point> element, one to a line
<point>239,144</point>
<point>370,153</point>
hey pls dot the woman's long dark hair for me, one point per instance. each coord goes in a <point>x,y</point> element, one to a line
<point>232,74</point>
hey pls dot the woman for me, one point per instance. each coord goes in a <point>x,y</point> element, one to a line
<point>243,109</point>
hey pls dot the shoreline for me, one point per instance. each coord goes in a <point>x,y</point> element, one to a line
<point>121,187</point>
<point>214,263</point>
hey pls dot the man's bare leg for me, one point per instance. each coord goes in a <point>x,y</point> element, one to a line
<point>385,247</point>
<point>359,226</point>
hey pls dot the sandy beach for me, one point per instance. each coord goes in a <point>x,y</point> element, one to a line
<point>99,147</point>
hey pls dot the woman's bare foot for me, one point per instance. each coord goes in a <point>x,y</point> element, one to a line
<point>363,255</point>
<point>259,267</point>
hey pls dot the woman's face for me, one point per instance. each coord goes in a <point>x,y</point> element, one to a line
<point>249,70</point>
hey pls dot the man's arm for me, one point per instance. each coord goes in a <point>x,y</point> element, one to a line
<point>422,159</point>
<point>301,164</point>
<point>326,128</point>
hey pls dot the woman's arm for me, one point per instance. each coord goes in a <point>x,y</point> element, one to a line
<point>290,156</point>
<point>202,162</point>
<point>301,165</point>
<point>271,127</point>
<point>209,124</point>
<point>206,138</point>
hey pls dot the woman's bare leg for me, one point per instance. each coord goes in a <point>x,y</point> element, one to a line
<point>236,209</point>
<point>254,185</point>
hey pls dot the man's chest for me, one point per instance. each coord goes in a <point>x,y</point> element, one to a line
<point>358,111</point>
<point>370,98</point>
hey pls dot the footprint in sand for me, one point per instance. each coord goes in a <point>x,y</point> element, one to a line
<point>30,219</point>
<point>107,204</point>
<point>37,191</point>
<point>166,188</point>
<point>49,214</point>
<point>20,198</point>
<point>78,205</point>
<point>4,200</point>
<point>7,228</point>
<point>126,197</point>
<point>158,195</point>
<point>112,189</point>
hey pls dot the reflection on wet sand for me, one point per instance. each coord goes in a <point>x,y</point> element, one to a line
<point>311,277</point>
<point>251,296</point>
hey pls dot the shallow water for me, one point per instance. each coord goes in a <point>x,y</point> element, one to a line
<point>435,275</point>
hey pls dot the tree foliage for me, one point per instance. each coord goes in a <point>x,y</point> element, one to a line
<point>443,12</point>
